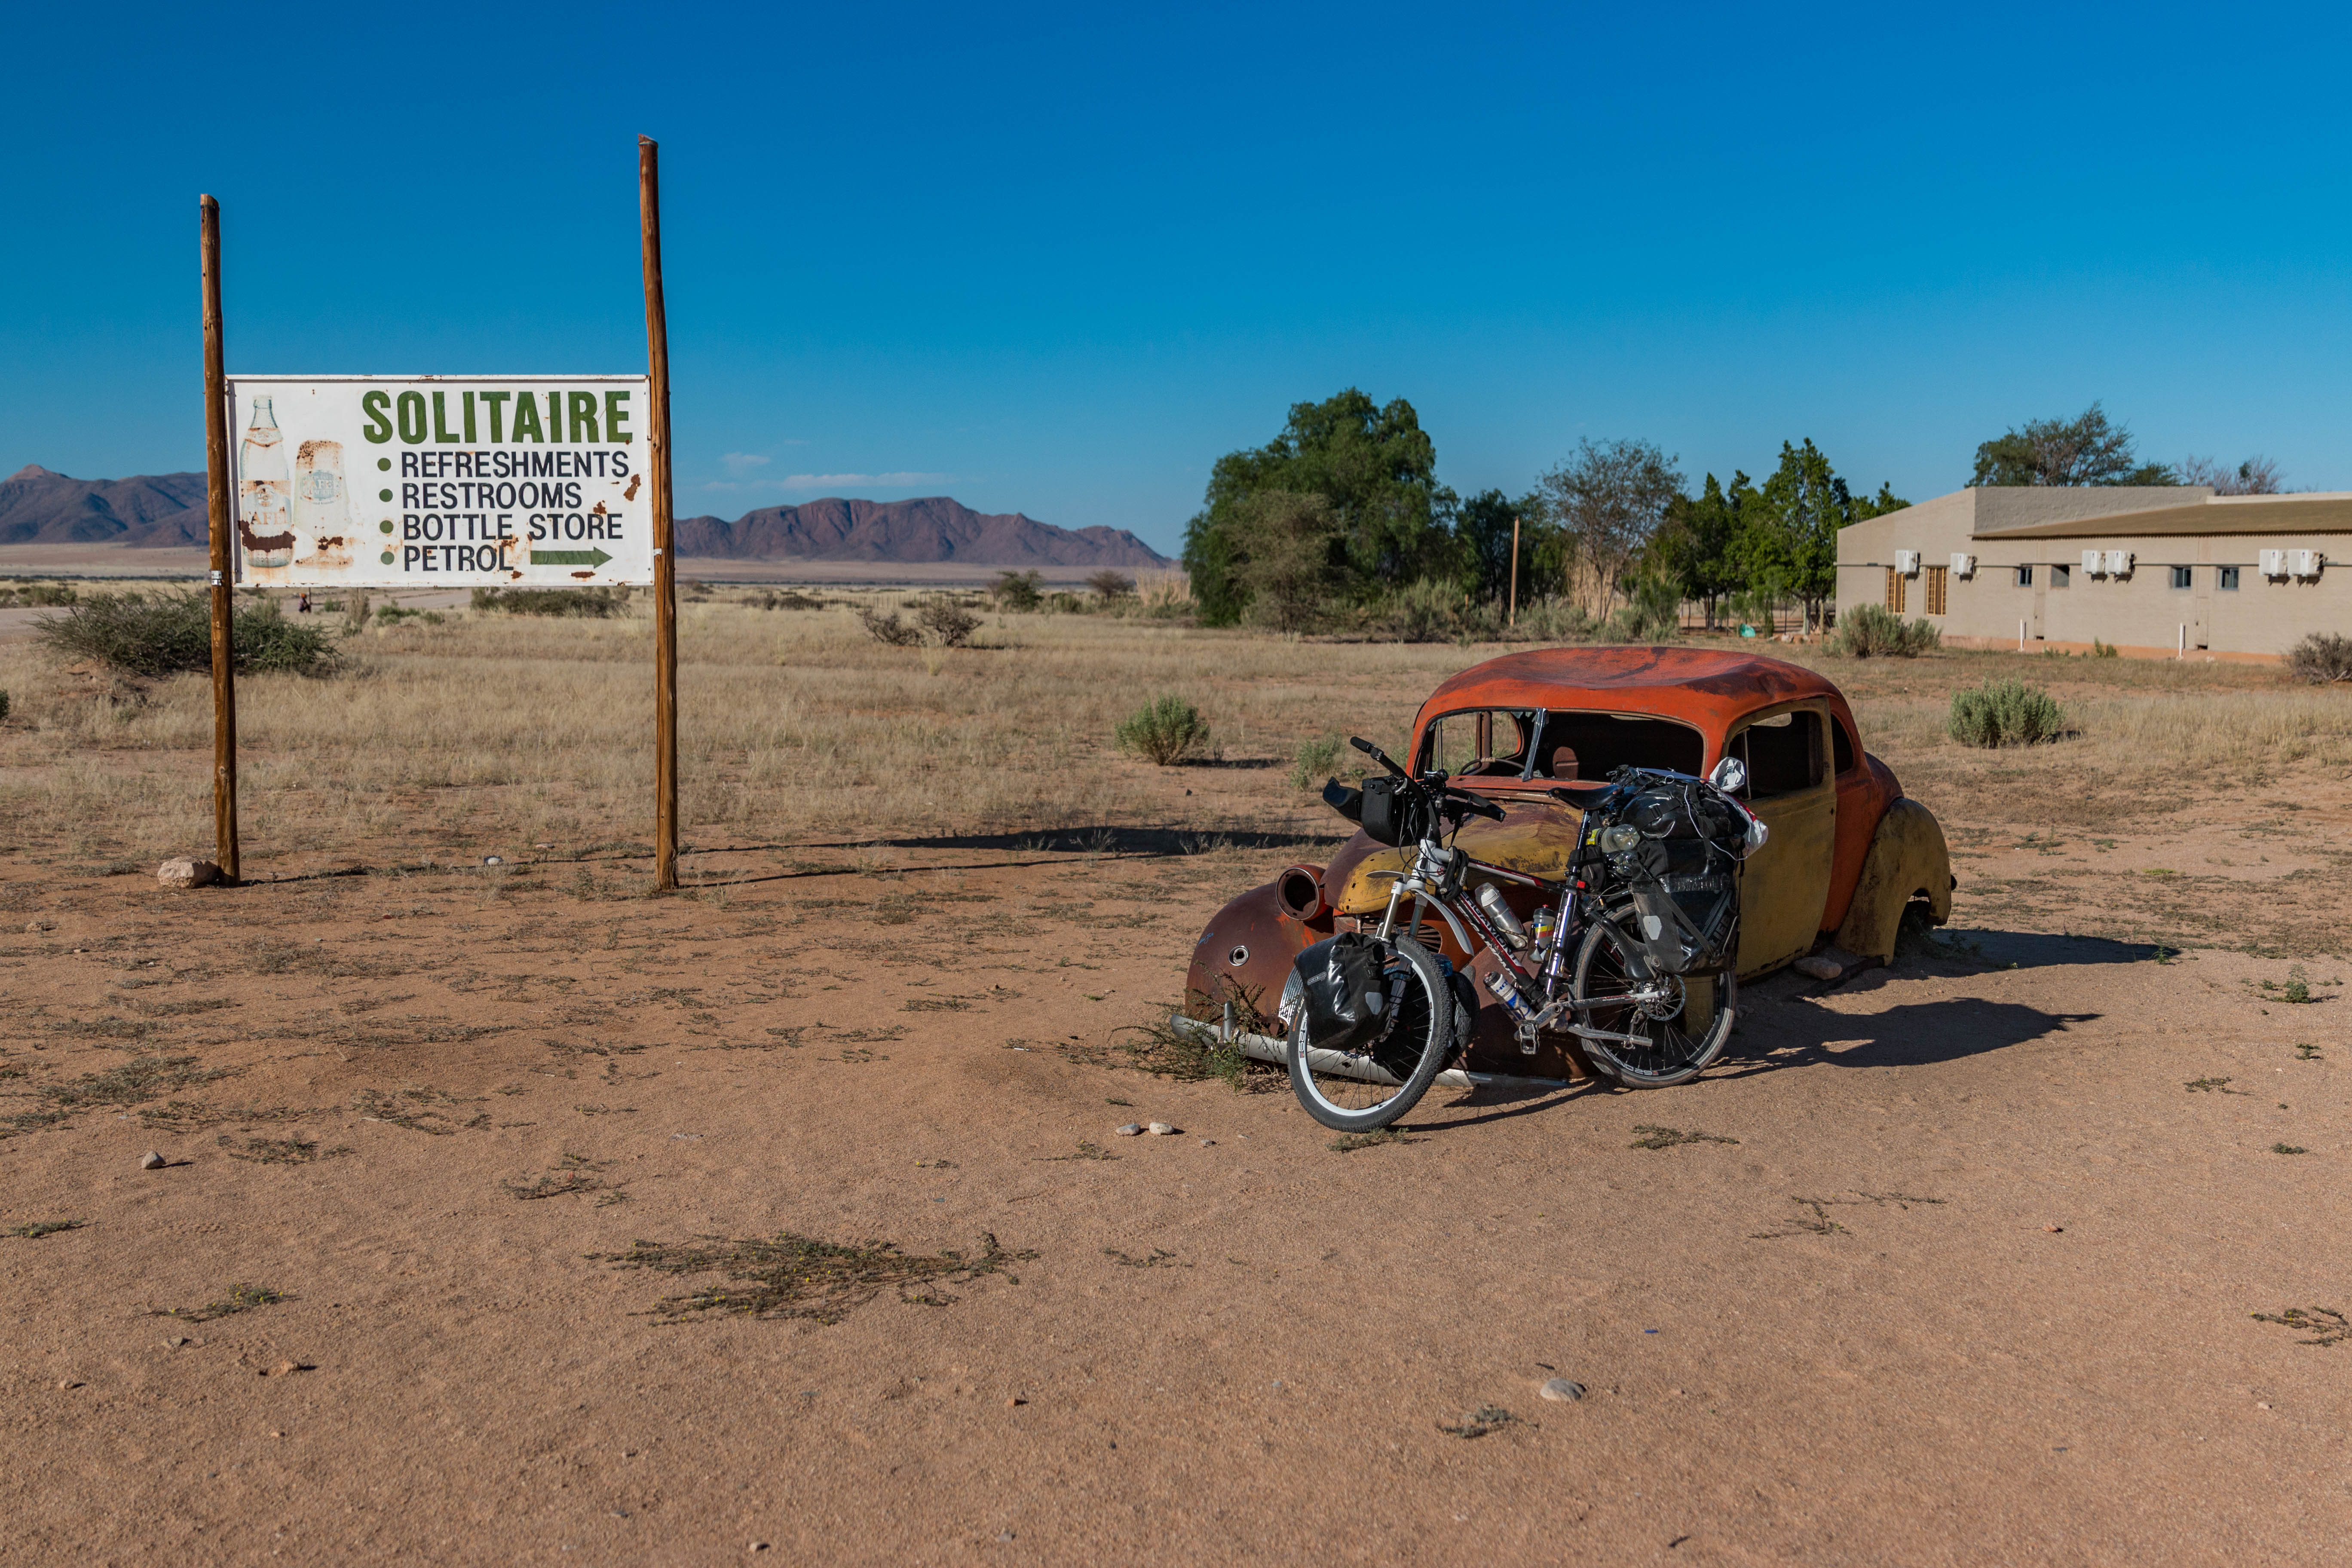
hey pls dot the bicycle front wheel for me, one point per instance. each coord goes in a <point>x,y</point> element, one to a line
<point>1368,1087</point>
<point>1673,1025</point>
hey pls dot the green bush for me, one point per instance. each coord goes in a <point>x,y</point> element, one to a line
<point>4,705</point>
<point>1872,631</point>
<point>592,604</point>
<point>393,615</point>
<point>1164,729</point>
<point>1317,760</point>
<point>2005,713</point>
<point>2322,658</point>
<point>1016,590</point>
<point>168,633</point>
<point>1555,620</point>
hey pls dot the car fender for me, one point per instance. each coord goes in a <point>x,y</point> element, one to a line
<point>1256,929</point>
<point>1907,860</point>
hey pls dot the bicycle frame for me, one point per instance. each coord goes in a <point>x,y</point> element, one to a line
<point>1436,880</point>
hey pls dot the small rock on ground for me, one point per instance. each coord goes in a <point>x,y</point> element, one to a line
<point>1161,1129</point>
<point>187,873</point>
<point>1562,1390</point>
<point>1818,967</point>
<point>1130,1131</point>
<point>151,1161</point>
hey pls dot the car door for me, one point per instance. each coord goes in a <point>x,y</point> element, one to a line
<point>1786,884</point>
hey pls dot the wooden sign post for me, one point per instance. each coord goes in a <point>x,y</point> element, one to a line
<point>1515,572</point>
<point>217,504</point>
<point>363,448</point>
<point>664,556</point>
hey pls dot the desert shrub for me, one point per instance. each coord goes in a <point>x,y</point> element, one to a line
<point>167,633</point>
<point>1016,590</point>
<point>592,604</point>
<point>1422,611</point>
<point>4,705</point>
<point>944,622</point>
<point>44,595</point>
<point>1316,760</point>
<point>1165,592</point>
<point>1108,584</point>
<point>784,599</point>
<point>1163,730</point>
<point>2005,713</point>
<point>2321,659</point>
<point>884,626</point>
<point>393,615</point>
<point>1872,631</point>
<point>1653,613</point>
<point>1554,620</point>
<point>940,621</point>
<point>1065,603</point>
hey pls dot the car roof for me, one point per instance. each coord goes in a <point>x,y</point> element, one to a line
<point>1705,687</point>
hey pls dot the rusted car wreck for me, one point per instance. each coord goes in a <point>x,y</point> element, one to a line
<point>1848,853</point>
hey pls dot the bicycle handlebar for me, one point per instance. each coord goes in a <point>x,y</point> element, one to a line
<point>1379,756</point>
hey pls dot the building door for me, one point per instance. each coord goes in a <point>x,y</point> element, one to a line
<point>2200,624</point>
<point>2040,596</point>
<point>1785,886</point>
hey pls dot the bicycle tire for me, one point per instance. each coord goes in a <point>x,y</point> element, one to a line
<point>1411,1052</point>
<point>1611,959</point>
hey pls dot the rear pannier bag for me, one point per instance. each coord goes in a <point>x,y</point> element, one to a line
<point>1345,989</point>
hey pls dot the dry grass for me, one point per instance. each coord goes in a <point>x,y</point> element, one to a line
<point>492,733</point>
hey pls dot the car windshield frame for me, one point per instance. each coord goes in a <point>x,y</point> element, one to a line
<point>1539,720</point>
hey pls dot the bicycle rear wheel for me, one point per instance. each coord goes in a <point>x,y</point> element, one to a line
<point>1372,1085</point>
<point>1678,1022</point>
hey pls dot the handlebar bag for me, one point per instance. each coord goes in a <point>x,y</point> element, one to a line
<point>1345,992</point>
<point>1395,812</point>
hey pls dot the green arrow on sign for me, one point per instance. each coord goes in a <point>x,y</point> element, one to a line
<point>568,558</point>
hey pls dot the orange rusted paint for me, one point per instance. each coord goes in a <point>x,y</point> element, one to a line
<point>1716,694</point>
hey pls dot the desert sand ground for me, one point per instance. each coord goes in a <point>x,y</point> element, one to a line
<point>1960,1261</point>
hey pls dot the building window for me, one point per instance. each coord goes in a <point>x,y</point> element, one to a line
<point>1894,589</point>
<point>2180,576</point>
<point>2061,575</point>
<point>1935,589</point>
<point>2025,576</point>
<point>2229,579</point>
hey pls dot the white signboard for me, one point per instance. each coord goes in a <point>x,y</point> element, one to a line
<point>442,481</point>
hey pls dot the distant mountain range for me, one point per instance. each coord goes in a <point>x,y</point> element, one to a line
<point>167,511</point>
<point>37,507</point>
<point>934,529</point>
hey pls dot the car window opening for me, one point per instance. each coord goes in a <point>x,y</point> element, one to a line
<point>1783,753</point>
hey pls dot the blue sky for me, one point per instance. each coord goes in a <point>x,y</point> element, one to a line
<point>1058,259</point>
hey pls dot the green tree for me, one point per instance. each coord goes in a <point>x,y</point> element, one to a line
<point>1372,462</point>
<point>1607,501</point>
<point>1693,547</point>
<point>1785,542</point>
<point>1287,556</point>
<point>2089,449</point>
<point>1483,530</point>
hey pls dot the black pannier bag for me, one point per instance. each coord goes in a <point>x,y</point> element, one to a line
<point>1685,886</point>
<point>1345,987</point>
<point>1395,813</point>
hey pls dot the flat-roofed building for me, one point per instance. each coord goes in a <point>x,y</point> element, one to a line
<point>2151,570</point>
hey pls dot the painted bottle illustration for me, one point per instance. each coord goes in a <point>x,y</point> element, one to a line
<point>265,520</point>
<point>322,505</point>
